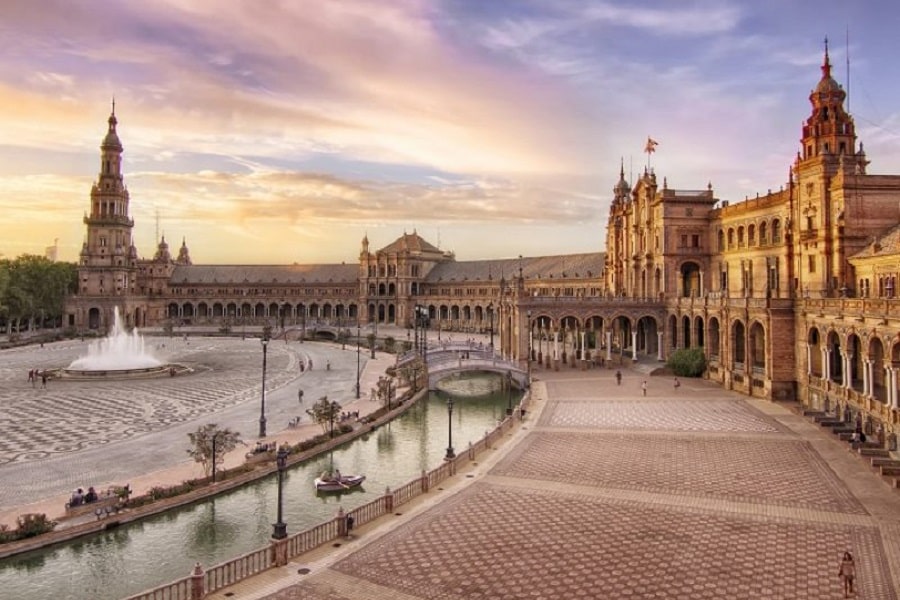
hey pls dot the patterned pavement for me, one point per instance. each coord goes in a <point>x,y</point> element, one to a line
<point>698,494</point>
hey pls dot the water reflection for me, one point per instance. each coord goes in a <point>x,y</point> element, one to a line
<point>133,558</point>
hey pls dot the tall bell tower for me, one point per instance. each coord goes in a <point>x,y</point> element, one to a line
<point>108,260</point>
<point>827,159</point>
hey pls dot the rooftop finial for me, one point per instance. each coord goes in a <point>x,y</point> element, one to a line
<point>114,106</point>
<point>826,66</point>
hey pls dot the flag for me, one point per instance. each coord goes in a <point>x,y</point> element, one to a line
<point>651,145</point>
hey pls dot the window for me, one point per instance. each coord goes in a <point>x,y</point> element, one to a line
<point>695,241</point>
<point>811,261</point>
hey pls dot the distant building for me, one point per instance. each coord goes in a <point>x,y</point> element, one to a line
<point>791,295</point>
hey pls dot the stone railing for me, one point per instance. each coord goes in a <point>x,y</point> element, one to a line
<point>201,583</point>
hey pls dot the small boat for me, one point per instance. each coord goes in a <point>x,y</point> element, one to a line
<point>337,482</point>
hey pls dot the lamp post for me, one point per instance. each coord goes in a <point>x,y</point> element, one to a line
<point>262,406</point>
<point>508,393</point>
<point>491,314</point>
<point>279,528</point>
<point>450,453</point>
<point>528,372</point>
<point>357,358</point>
<point>214,437</point>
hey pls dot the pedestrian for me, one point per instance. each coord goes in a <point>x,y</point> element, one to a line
<point>43,379</point>
<point>677,384</point>
<point>31,376</point>
<point>300,396</point>
<point>847,573</point>
<point>618,377</point>
<point>644,387</point>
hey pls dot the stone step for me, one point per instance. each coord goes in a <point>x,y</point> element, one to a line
<point>865,449</point>
<point>841,429</point>
<point>830,422</point>
<point>815,415</point>
<point>878,461</point>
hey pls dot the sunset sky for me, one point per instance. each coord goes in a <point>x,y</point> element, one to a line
<point>279,132</point>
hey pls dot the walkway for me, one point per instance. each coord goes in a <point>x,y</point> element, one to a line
<point>688,493</point>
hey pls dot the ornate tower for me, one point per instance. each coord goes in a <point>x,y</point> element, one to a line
<point>828,157</point>
<point>107,265</point>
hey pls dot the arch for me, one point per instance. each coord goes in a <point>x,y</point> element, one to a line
<point>371,312</point>
<point>690,279</point>
<point>854,348</point>
<point>730,238</point>
<point>647,338</point>
<point>657,282</point>
<point>467,313</point>
<point>758,347</point>
<point>835,362</point>
<point>751,235</point>
<point>714,338</point>
<point>686,331</point>
<point>815,351</point>
<point>776,231</point>
<point>673,330</point>
<point>737,345</point>
<point>217,309</point>
<point>698,332</point>
<point>314,311</point>
<point>876,358</point>
<point>381,289</point>
<point>327,311</point>
<point>246,310</point>
<point>231,310</point>
<point>720,237</point>
<point>172,311</point>
<point>94,318</point>
<point>740,236</point>
<point>391,313</point>
<point>187,310</point>
<point>381,315</point>
<point>763,228</point>
<point>353,311</point>
<point>203,310</point>
<point>454,313</point>
<point>392,289</point>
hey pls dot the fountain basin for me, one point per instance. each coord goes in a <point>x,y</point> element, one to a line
<point>163,370</point>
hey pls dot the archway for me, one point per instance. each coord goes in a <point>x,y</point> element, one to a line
<point>690,280</point>
<point>673,330</point>
<point>835,362</point>
<point>648,341</point>
<point>686,330</point>
<point>856,361</point>
<point>815,352</point>
<point>94,318</point>
<point>737,345</point>
<point>758,348</point>
<point>876,356</point>
<point>714,339</point>
<point>698,331</point>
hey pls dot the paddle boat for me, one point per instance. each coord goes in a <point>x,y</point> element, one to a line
<point>328,482</point>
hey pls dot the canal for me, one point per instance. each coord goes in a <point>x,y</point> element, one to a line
<point>143,555</point>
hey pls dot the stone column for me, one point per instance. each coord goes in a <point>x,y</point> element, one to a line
<point>279,550</point>
<point>659,345</point>
<point>198,583</point>
<point>826,363</point>
<point>608,346</point>
<point>634,346</point>
<point>808,359</point>
<point>868,378</point>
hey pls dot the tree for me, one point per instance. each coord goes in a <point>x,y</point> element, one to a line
<point>325,413</point>
<point>385,390</point>
<point>390,343</point>
<point>687,362</point>
<point>210,444</point>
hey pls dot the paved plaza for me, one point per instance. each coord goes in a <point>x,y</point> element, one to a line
<point>604,493</point>
<point>75,434</point>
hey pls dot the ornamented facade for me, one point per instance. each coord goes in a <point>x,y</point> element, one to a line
<point>791,295</point>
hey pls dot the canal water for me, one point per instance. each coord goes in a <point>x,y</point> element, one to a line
<point>143,555</point>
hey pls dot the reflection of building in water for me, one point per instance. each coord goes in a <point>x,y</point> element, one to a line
<point>791,294</point>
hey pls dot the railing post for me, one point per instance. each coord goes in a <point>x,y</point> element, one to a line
<point>388,501</point>
<point>424,480</point>
<point>341,522</point>
<point>279,551</point>
<point>471,451</point>
<point>198,587</point>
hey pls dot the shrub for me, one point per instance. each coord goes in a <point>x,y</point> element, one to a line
<point>32,524</point>
<point>687,362</point>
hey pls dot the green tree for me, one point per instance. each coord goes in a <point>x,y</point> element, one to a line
<point>33,289</point>
<point>325,413</point>
<point>390,343</point>
<point>687,362</point>
<point>210,444</point>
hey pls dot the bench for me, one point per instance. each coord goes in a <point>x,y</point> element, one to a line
<point>107,503</point>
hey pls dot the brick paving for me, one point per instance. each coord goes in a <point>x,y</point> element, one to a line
<point>612,495</point>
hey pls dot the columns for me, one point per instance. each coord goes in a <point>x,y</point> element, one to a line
<point>826,363</point>
<point>808,359</point>
<point>868,379</point>
<point>608,346</point>
<point>634,346</point>
<point>659,345</point>
<point>847,379</point>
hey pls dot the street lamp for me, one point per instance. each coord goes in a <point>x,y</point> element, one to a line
<point>528,379</point>
<point>262,406</point>
<point>279,528</point>
<point>450,453</point>
<point>508,393</point>
<point>214,438</point>
<point>357,357</point>
<point>491,314</point>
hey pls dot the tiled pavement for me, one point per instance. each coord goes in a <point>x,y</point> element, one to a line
<point>697,493</point>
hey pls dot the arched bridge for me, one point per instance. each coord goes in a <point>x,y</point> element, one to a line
<point>449,359</point>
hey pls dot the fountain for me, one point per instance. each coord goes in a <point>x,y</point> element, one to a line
<point>119,353</point>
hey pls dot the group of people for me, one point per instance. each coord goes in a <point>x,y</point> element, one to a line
<point>80,497</point>
<point>35,374</point>
<point>261,447</point>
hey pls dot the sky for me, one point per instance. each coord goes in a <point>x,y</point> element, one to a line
<point>283,132</point>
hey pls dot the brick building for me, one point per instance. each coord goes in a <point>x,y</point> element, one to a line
<point>790,294</point>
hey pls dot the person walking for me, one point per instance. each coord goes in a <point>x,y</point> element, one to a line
<point>618,377</point>
<point>677,384</point>
<point>644,387</point>
<point>847,573</point>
